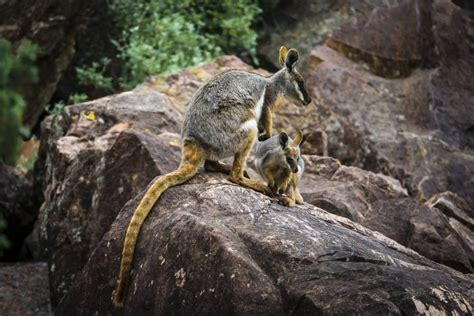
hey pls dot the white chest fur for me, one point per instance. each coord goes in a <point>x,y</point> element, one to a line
<point>259,105</point>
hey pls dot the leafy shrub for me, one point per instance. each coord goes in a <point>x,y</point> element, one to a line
<point>165,35</point>
<point>16,71</point>
<point>94,75</point>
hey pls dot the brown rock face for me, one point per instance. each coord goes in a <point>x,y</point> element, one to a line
<point>210,241</point>
<point>53,26</point>
<point>24,290</point>
<point>379,202</point>
<point>416,128</point>
<point>391,39</point>
<point>95,157</point>
<point>212,248</point>
<point>451,85</point>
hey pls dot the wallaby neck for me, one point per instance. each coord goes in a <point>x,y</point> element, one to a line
<point>274,89</point>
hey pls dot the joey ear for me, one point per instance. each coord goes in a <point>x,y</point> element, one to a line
<point>282,55</point>
<point>283,140</point>
<point>298,139</point>
<point>291,59</point>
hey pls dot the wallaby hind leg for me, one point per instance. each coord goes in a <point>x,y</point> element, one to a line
<point>237,172</point>
<point>216,166</point>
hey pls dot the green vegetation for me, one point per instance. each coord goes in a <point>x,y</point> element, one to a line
<point>159,36</point>
<point>16,71</point>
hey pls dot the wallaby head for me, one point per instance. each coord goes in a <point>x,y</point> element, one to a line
<point>291,81</point>
<point>291,150</point>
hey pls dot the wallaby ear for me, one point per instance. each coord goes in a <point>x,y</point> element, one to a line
<point>283,139</point>
<point>291,59</point>
<point>298,139</point>
<point>282,56</point>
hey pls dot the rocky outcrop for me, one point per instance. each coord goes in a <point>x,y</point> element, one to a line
<point>211,241</point>
<point>210,248</point>
<point>417,128</point>
<point>53,26</point>
<point>95,157</point>
<point>24,290</point>
<point>379,202</point>
<point>19,210</point>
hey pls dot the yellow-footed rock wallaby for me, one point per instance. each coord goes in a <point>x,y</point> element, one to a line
<point>221,121</point>
<point>278,161</point>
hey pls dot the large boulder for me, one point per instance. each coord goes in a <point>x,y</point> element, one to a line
<point>210,247</point>
<point>24,290</point>
<point>220,242</point>
<point>438,230</point>
<point>417,128</point>
<point>93,158</point>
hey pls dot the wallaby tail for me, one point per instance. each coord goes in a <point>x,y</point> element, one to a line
<point>192,158</point>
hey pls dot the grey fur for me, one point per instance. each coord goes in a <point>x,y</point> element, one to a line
<point>271,149</point>
<point>219,108</point>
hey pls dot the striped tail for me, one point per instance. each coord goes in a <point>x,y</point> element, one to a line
<point>191,161</point>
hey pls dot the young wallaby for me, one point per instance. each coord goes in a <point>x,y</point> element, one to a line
<point>221,121</point>
<point>278,161</point>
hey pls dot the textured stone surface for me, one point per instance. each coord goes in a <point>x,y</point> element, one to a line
<point>24,290</point>
<point>93,158</point>
<point>100,154</point>
<point>380,203</point>
<point>417,128</point>
<point>391,38</point>
<point>210,247</point>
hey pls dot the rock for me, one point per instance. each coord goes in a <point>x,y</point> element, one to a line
<point>95,157</point>
<point>24,290</point>
<point>451,84</point>
<point>52,25</point>
<point>211,241</point>
<point>380,203</point>
<point>453,206</point>
<point>403,128</point>
<point>19,208</point>
<point>399,127</point>
<point>302,24</point>
<point>392,39</point>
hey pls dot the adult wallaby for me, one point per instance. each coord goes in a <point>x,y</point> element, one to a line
<point>278,161</point>
<point>221,121</point>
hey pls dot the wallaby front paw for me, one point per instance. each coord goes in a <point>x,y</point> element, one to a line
<point>283,200</point>
<point>263,137</point>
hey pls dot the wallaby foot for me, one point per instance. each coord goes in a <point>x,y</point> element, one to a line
<point>252,184</point>
<point>286,201</point>
<point>216,166</point>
